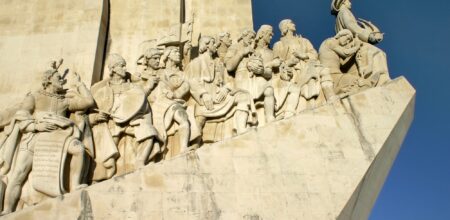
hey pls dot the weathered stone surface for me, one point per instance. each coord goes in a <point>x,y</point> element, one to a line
<point>327,163</point>
<point>133,22</point>
<point>33,33</point>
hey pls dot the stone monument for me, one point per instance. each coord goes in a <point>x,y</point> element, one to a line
<point>170,110</point>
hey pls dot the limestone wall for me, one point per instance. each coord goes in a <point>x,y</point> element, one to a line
<point>135,21</point>
<point>34,32</point>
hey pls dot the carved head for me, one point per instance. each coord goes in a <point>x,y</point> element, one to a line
<point>207,43</point>
<point>171,53</point>
<point>225,39</point>
<point>336,5</point>
<point>117,65</point>
<point>265,33</point>
<point>247,37</point>
<point>52,79</point>
<point>153,56</point>
<point>287,25</point>
<point>347,4</point>
<point>344,37</point>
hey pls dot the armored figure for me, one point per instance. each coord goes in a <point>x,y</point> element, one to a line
<point>45,138</point>
<point>122,123</point>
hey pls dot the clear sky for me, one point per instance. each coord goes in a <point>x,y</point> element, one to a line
<point>417,42</point>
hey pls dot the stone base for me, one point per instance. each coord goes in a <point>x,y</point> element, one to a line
<point>327,163</point>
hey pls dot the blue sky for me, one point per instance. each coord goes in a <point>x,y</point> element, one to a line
<point>417,42</point>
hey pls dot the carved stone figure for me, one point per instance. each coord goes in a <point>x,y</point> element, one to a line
<point>293,49</point>
<point>168,99</point>
<point>249,72</point>
<point>285,91</point>
<point>187,52</point>
<point>223,42</point>
<point>353,64</point>
<point>364,30</point>
<point>148,66</point>
<point>122,123</point>
<point>46,138</point>
<point>211,87</point>
<point>298,53</point>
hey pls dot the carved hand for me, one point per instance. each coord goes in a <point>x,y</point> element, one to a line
<point>365,71</point>
<point>153,81</point>
<point>276,63</point>
<point>45,127</point>
<point>170,95</point>
<point>207,101</point>
<point>71,94</point>
<point>301,56</point>
<point>101,117</point>
<point>248,50</point>
<point>221,95</point>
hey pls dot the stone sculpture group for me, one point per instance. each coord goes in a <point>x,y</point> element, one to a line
<point>66,136</point>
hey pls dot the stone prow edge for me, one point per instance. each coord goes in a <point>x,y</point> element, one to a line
<point>363,199</point>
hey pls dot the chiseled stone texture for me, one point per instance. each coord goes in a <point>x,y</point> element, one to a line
<point>34,32</point>
<point>329,163</point>
<point>132,22</point>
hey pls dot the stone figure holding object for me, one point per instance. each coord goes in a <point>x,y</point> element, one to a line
<point>298,53</point>
<point>250,73</point>
<point>285,92</point>
<point>168,100</point>
<point>45,138</point>
<point>211,88</point>
<point>122,123</point>
<point>353,64</point>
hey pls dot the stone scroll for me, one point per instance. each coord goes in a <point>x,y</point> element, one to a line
<point>48,162</point>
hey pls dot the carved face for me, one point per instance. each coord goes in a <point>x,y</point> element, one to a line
<point>345,40</point>
<point>175,55</point>
<point>120,69</point>
<point>226,40</point>
<point>347,4</point>
<point>212,46</point>
<point>268,36</point>
<point>249,39</point>
<point>153,62</point>
<point>289,26</point>
<point>57,82</point>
